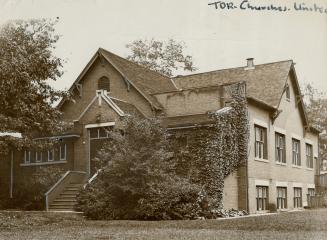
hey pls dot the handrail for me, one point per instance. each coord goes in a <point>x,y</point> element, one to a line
<point>92,178</point>
<point>57,186</point>
<point>57,183</point>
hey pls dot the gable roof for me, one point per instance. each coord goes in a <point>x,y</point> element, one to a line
<point>264,83</point>
<point>145,81</point>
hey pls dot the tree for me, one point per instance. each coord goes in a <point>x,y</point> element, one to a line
<point>162,57</point>
<point>27,65</point>
<point>138,180</point>
<point>316,107</point>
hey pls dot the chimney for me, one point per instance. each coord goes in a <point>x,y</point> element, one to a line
<point>250,64</point>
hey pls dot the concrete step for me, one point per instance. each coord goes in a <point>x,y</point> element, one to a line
<point>65,200</point>
<point>69,191</point>
<point>67,196</point>
<point>76,185</point>
<point>62,204</point>
<point>54,209</point>
<point>72,188</point>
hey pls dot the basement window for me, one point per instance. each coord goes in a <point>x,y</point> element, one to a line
<point>297,197</point>
<point>281,197</point>
<point>262,198</point>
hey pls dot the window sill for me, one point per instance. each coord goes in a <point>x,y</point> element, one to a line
<point>296,166</point>
<point>261,160</point>
<point>309,169</point>
<point>281,164</point>
<point>41,163</point>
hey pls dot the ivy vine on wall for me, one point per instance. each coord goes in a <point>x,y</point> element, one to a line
<point>214,152</point>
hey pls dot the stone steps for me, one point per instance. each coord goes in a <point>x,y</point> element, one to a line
<point>66,201</point>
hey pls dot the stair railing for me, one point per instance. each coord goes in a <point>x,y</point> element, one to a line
<point>95,175</point>
<point>59,186</point>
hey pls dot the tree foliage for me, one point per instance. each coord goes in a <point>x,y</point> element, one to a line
<point>27,65</point>
<point>162,57</point>
<point>29,193</point>
<point>316,107</point>
<point>138,180</point>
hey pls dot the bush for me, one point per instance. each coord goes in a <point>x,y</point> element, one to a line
<point>29,192</point>
<point>138,180</point>
<point>175,198</point>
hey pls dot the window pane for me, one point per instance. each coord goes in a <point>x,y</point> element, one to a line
<point>63,150</point>
<point>94,133</point>
<point>50,155</point>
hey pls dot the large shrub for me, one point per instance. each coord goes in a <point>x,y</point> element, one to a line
<point>29,191</point>
<point>138,180</point>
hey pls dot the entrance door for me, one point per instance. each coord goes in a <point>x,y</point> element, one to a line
<point>98,137</point>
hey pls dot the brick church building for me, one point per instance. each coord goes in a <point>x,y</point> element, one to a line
<point>283,157</point>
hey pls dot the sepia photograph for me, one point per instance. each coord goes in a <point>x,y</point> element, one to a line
<point>149,119</point>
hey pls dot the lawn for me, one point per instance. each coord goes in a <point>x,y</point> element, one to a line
<point>309,224</point>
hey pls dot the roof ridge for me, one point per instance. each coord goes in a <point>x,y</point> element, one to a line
<point>233,68</point>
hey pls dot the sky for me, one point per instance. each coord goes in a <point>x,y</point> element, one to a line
<point>216,38</point>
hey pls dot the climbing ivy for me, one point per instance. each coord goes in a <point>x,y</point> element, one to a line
<point>214,152</point>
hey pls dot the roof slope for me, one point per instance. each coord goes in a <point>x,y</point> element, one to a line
<point>264,83</point>
<point>127,107</point>
<point>147,81</point>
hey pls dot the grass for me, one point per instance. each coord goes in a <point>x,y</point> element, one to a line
<point>41,225</point>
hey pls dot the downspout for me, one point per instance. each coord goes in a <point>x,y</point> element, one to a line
<point>11,174</point>
<point>247,166</point>
<point>247,185</point>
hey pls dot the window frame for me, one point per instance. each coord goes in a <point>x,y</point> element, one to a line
<point>310,191</point>
<point>36,157</point>
<point>25,157</point>
<point>52,151</point>
<point>297,200</point>
<point>281,200</point>
<point>309,158</point>
<point>98,129</point>
<point>101,83</point>
<point>262,201</point>
<point>260,146</point>
<point>65,151</point>
<point>296,152</point>
<point>278,149</point>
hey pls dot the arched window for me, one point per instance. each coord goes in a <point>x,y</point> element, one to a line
<point>104,83</point>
